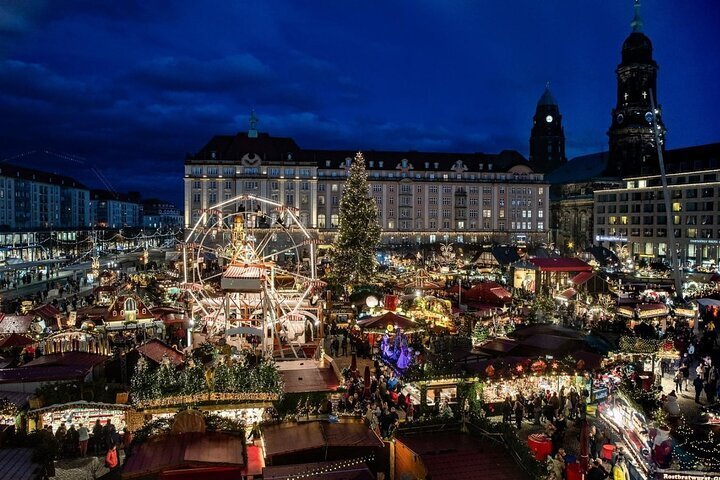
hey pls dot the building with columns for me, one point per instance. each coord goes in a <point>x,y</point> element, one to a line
<point>423,197</point>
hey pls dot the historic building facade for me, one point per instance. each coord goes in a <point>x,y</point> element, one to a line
<point>32,200</point>
<point>422,197</point>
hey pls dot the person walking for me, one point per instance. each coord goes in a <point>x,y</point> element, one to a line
<point>344,345</point>
<point>698,384</point>
<point>678,380</point>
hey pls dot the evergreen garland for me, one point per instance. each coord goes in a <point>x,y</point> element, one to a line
<point>359,233</point>
<point>227,375</point>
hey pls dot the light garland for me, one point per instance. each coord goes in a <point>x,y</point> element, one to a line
<point>334,467</point>
<point>207,398</point>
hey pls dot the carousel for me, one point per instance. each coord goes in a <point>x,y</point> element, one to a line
<point>88,341</point>
<point>250,271</point>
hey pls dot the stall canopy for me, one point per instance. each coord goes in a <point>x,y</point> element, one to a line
<point>567,294</point>
<point>306,376</point>
<point>194,455</point>
<point>708,302</point>
<point>381,322</point>
<point>452,455</point>
<point>288,439</point>
<point>488,293</point>
<point>505,255</point>
<point>157,350</point>
<point>15,340</point>
<point>338,470</point>
<point>561,265</point>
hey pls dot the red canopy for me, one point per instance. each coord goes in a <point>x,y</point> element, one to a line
<point>15,340</point>
<point>488,293</point>
<point>561,265</point>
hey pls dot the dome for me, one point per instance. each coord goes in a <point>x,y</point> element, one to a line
<point>637,48</point>
<point>547,99</point>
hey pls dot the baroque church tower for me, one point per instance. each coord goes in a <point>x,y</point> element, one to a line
<point>547,137</point>
<point>632,141</point>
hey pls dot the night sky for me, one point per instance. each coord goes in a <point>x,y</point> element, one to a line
<point>128,87</point>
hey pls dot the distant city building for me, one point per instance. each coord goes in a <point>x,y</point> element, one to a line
<point>160,214</point>
<point>35,200</point>
<point>634,217</point>
<point>579,185</point>
<point>422,197</point>
<point>115,210</point>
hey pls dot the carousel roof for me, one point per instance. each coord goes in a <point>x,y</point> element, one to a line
<point>381,322</point>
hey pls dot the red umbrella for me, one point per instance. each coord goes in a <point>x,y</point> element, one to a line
<point>367,378</point>
<point>353,363</point>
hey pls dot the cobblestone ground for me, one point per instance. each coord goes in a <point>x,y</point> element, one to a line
<point>88,468</point>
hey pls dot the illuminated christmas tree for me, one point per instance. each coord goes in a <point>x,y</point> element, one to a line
<point>359,233</point>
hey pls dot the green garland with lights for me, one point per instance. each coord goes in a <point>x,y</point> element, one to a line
<point>224,375</point>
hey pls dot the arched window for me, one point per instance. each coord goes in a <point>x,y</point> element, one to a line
<point>130,304</point>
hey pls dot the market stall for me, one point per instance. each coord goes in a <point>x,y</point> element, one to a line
<point>632,428</point>
<point>497,390</point>
<point>78,412</point>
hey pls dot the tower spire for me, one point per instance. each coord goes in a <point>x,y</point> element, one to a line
<point>252,132</point>
<point>637,23</point>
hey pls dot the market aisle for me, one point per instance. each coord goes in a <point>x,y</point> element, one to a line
<point>686,398</point>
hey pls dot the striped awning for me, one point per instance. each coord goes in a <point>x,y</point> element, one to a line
<point>237,271</point>
<point>192,287</point>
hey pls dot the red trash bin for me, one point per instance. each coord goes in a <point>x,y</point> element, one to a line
<point>607,451</point>
<point>540,445</point>
<point>573,472</point>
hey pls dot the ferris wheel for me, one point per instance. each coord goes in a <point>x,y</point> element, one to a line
<point>250,269</point>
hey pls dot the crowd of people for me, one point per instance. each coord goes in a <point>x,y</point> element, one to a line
<point>381,400</point>
<point>100,439</point>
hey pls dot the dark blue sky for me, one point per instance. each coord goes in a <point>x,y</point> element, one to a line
<point>131,86</point>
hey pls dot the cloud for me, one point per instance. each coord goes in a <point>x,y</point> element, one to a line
<point>33,81</point>
<point>193,75</point>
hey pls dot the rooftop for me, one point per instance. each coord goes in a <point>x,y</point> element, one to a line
<point>453,455</point>
<point>14,171</point>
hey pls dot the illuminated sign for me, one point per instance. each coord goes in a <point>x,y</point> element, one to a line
<point>609,238</point>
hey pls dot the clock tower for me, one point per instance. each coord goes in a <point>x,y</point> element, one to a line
<point>547,137</point>
<point>632,140</point>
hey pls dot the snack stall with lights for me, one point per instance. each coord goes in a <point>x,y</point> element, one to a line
<point>79,412</point>
<point>528,376</point>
